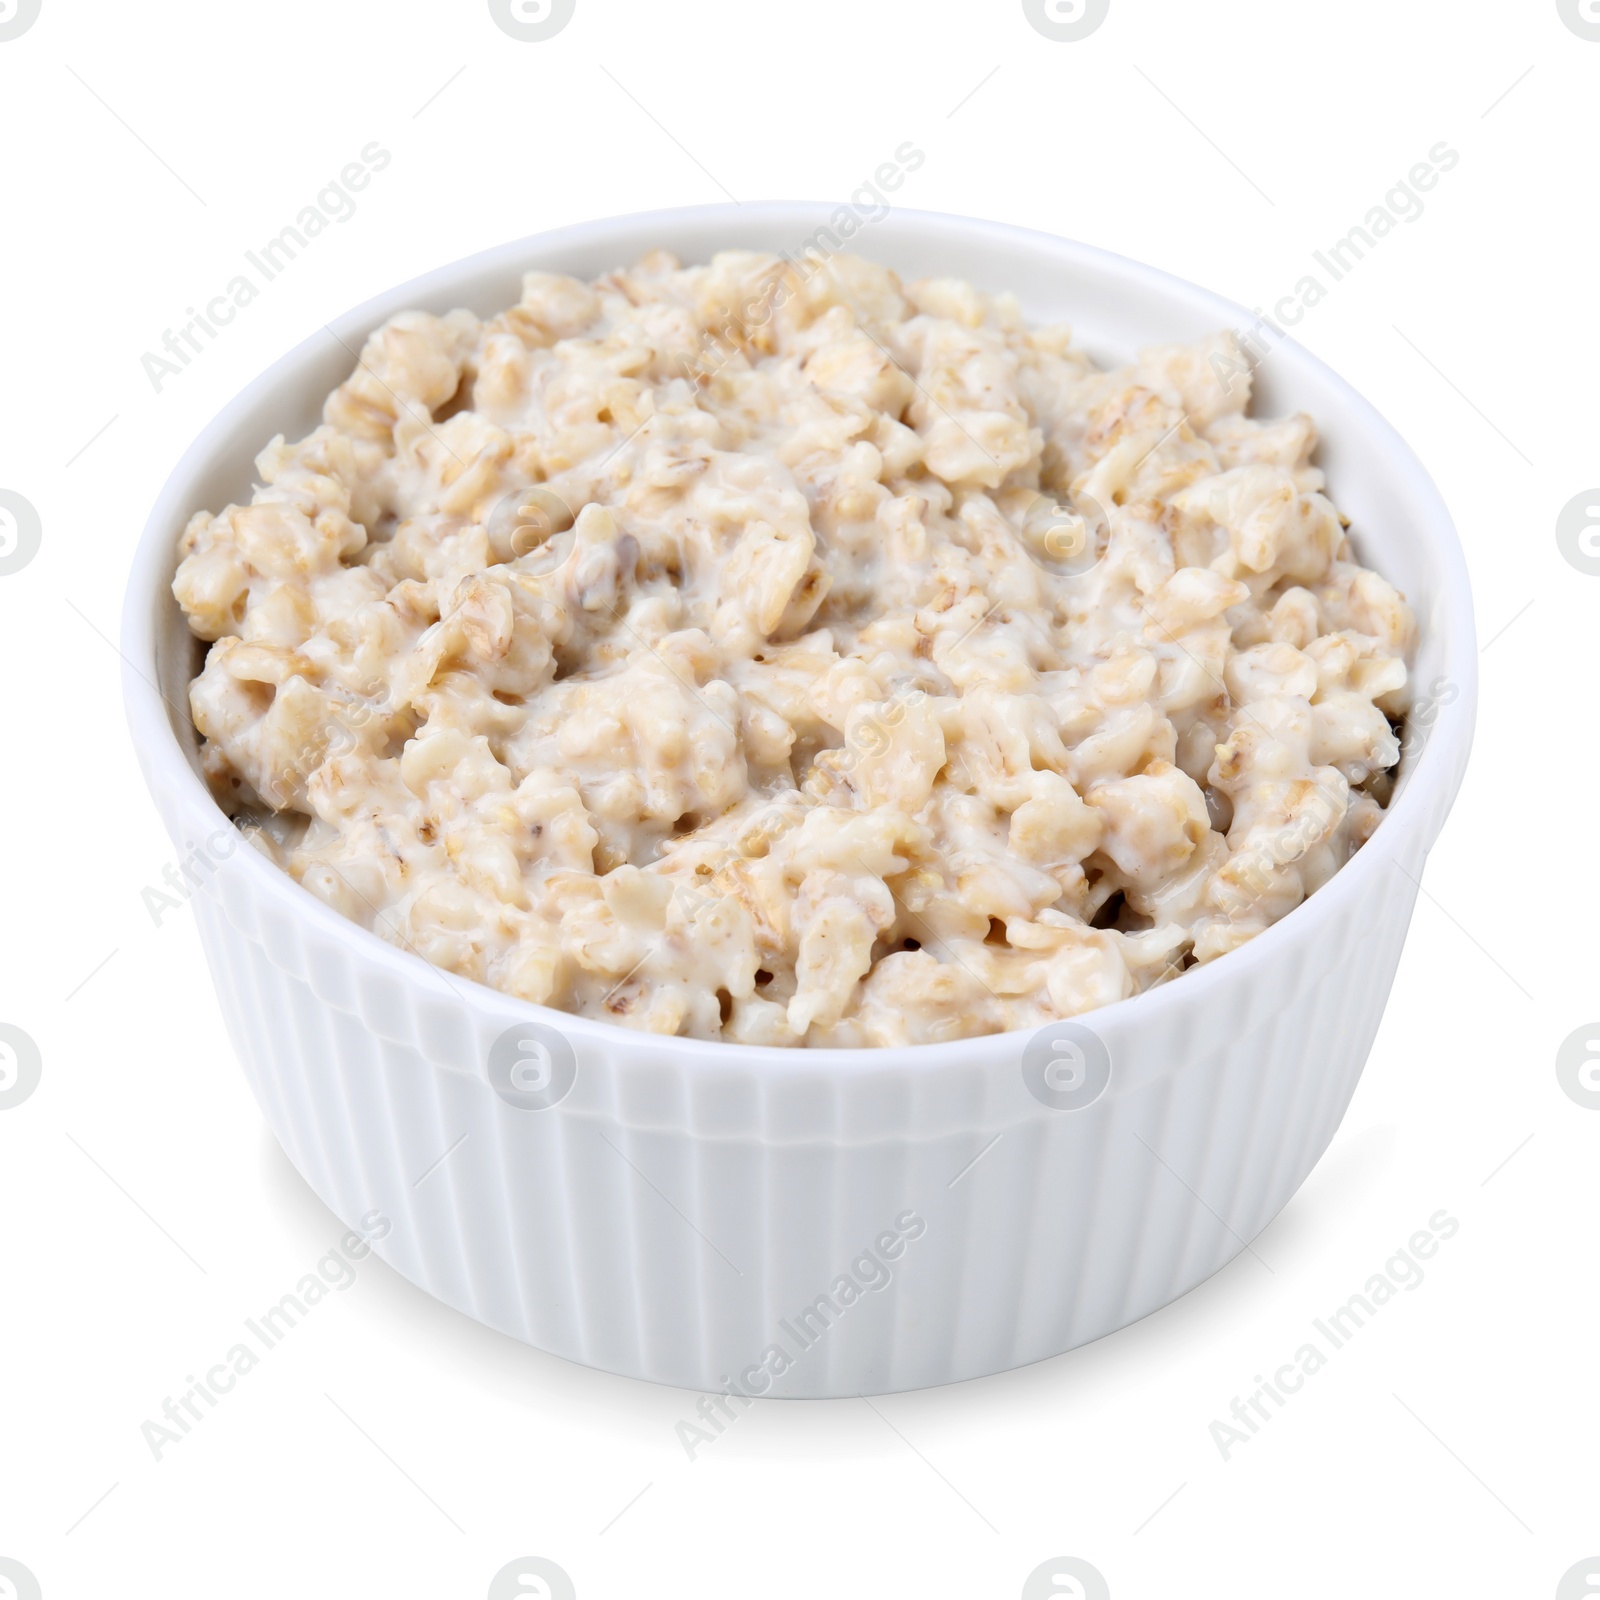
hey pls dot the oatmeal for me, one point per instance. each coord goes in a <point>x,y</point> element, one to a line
<point>789,655</point>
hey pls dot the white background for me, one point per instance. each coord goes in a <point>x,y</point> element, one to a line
<point>390,1446</point>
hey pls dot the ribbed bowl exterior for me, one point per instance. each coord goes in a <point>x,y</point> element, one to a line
<point>807,1223</point>
<point>668,1217</point>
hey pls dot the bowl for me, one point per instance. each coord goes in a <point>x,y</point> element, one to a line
<point>807,1223</point>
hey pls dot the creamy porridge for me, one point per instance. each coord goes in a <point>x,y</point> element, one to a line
<point>795,656</point>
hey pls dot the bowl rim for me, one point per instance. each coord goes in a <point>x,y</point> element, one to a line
<point>1418,808</point>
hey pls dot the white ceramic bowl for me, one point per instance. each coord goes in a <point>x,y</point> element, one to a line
<point>677,1211</point>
